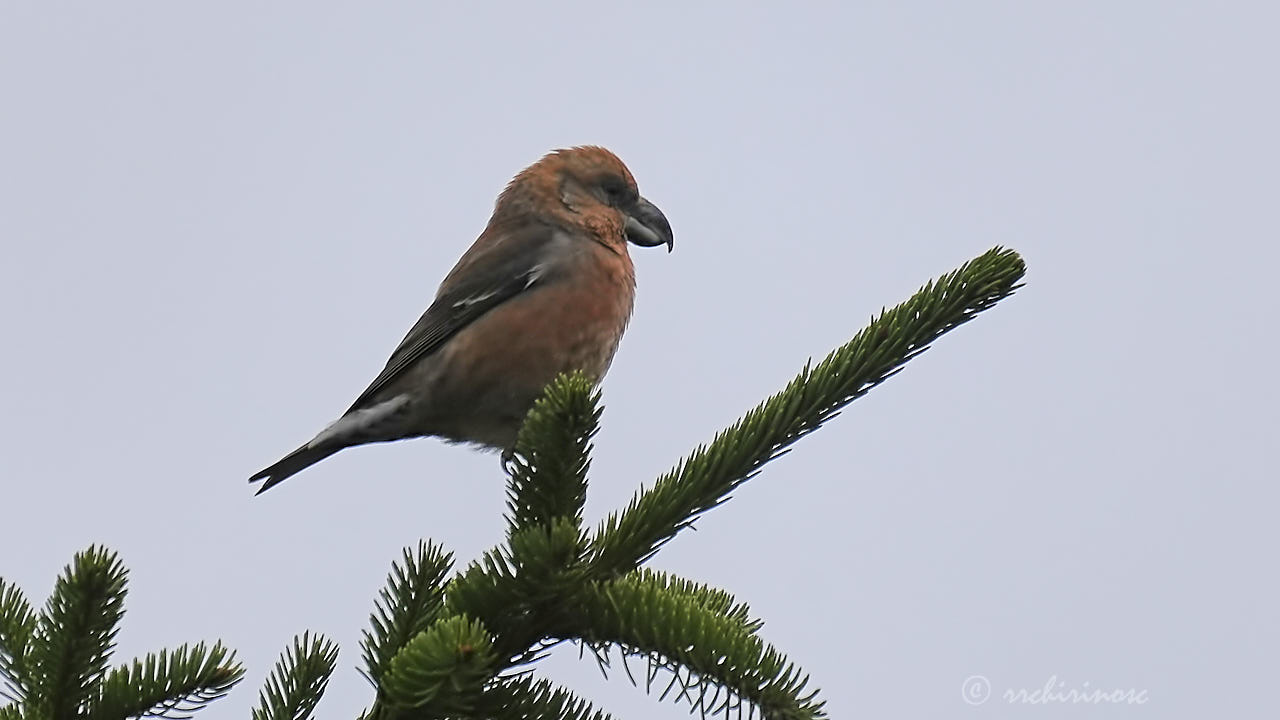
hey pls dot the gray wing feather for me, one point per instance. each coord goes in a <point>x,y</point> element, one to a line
<point>514,265</point>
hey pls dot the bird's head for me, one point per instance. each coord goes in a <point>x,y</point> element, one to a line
<point>591,183</point>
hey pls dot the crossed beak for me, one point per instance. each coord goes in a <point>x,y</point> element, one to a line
<point>647,226</point>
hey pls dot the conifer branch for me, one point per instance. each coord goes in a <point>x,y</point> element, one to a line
<point>169,685</point>
<point>519,591</point>
<point>298,681</point>
<point>408,605</point>
<point>18,623</point>
<point>77,631</point>
<point>706,478</point>
<point>713,655</point>
<point>445,666</point>
<point>59,658</point>
<point>524,698</point>
<point>714,600</point>
<point>555,440</point>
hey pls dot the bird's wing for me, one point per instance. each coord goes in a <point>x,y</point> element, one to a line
<point>506,267</point>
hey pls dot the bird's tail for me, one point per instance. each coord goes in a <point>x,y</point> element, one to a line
<point>295,462</point>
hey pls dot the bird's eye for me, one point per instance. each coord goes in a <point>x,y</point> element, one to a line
<point>615,190</point>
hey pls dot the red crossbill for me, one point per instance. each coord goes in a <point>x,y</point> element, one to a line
<point>547,288</point>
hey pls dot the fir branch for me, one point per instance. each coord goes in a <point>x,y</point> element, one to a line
<point>518,591</point>
<point>18,624</point>
<point>548,469</point>
<point>10,712</point>
<point>493,591</point>
<point>708,653</point>
<point>77,631</point>
<point>298,680</point>
<point>524,698</point>
<point>714,600</point>
<point>705,479</point>
<point>408,605</point>
<point>169,685</point>
<point>482,590</point>
<point>446,666</point>
<point>544,556</point>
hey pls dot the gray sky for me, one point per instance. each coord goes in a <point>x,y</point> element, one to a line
<point>218,221</point>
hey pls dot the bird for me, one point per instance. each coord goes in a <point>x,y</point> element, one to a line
<point>547,288</point>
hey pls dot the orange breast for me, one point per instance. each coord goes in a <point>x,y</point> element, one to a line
<point>492,371</point>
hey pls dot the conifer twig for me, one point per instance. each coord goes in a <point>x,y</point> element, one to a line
<point>711,472</point>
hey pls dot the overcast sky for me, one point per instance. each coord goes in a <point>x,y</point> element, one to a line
<point>218,221</point>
